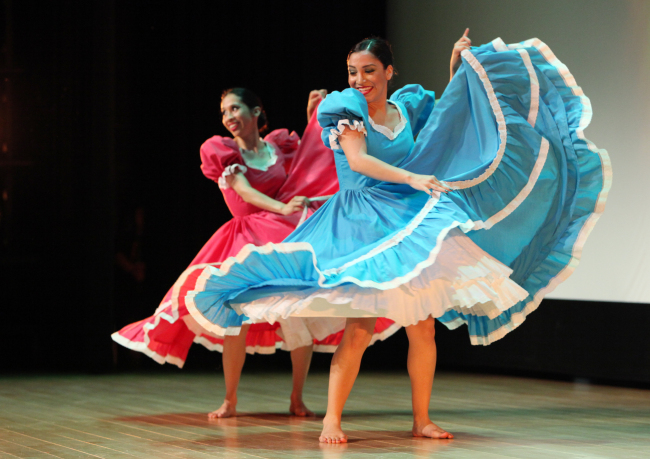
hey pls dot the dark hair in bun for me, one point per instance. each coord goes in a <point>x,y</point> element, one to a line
<point>250,99</point>
<point>379,48</point>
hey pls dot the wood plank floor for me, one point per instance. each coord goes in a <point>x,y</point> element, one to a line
<point>164,416</point>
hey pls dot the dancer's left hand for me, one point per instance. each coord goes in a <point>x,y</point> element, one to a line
<point>462,44</point>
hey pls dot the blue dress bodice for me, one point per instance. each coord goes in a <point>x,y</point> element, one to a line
<point>349,108</point>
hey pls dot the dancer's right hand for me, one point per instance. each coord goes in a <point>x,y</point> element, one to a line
<point>462,44</point>
<point>426,183</point>
<point>315,97</point>
<point>296,204</point>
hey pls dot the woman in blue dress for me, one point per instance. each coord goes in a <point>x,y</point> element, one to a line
<point>472,223</point>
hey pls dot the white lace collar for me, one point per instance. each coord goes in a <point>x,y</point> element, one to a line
<point>261,163</point>
<point>387,132</point>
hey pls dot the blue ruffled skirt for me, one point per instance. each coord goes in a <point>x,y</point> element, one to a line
<point>527,189</point>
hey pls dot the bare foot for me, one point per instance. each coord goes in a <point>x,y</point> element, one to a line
<point>226,410</point>
<point>332,432</point>
<point>429,429</point>
<point>298,408</point>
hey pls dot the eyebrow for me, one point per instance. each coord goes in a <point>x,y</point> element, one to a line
<point>365,66</point>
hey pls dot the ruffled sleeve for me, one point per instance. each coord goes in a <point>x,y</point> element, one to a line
<point>341,109</point>
<point>419,104</point>
<point>287,143</point>
<point>220,158</point>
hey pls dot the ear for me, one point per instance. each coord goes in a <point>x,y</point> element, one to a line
<point>389,72</point>
<point>257,111</point>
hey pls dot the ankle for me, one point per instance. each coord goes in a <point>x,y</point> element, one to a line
<point>422,420</point>
<point>232,401</point>
<point>332,419</point>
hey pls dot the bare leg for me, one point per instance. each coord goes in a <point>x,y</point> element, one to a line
<point>300,361</point>
<point>234,355</point>
<point>343,373</point>
<point>421,367</point>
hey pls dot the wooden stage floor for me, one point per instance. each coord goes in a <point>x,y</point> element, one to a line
<point>164,416</point>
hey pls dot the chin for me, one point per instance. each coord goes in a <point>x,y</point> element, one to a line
<point>370,98</point>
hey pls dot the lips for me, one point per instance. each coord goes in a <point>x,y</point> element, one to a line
<point>364,89</point>
<point>232,126</point>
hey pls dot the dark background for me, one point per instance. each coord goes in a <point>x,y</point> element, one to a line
<point>104,107</point>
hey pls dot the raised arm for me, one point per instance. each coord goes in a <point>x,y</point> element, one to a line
<point>243,188</point>
<point>463,43</point>
<point>315,97</point>
<point>354,146</point>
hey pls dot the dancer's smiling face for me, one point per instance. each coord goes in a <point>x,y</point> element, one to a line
<point>367,74</point>
<point>237,117</point>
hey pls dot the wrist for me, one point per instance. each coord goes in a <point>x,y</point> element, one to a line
<point>279,207</point>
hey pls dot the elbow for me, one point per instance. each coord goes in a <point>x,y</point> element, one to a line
<point>246,197</point>
<point>243,193</point>
<point>355,165</point>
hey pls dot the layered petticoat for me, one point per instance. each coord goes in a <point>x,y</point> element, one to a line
<point>469,281</point>
<point>527,188</point>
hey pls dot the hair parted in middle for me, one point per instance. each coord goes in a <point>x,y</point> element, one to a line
<point>378,47</point>
<point>250,99</point>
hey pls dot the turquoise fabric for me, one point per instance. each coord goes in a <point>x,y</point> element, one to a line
<point>526,189</point>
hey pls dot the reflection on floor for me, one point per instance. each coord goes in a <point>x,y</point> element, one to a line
<point>164,416</point>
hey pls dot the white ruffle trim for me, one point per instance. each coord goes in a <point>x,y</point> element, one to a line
<point>230,170</point>
<point>353,125</point>
<point>387,132</point>
<point>144,348</point>
<point>263,350</point>
<point>464,279</point>
<point>501,125</point>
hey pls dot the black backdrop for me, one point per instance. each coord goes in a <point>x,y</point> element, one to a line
<point>110,103</point>
<point>103,108</point>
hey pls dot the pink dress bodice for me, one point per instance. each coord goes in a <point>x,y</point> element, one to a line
<point>221,157</point>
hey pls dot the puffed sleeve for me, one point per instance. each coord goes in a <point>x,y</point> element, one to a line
<point>341,109</point>
<point>220,158</point>
<point>418,102</point>
<point>287,143</point>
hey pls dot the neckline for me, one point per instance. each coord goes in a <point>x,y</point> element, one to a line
<point>261,164</point>
<point>392,135</point>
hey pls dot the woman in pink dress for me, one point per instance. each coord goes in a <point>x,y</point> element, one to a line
<point>266,184</point>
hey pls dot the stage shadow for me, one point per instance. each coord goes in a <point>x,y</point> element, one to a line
<point>296,441</point>
<point>201,419</point>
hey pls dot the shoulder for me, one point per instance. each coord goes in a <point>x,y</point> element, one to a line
<point>285,141</point>
<point>346,104</point>
<point>412,95</point>
<point>217,154</point>
<point>418,102</point>
<point>217,146</point>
